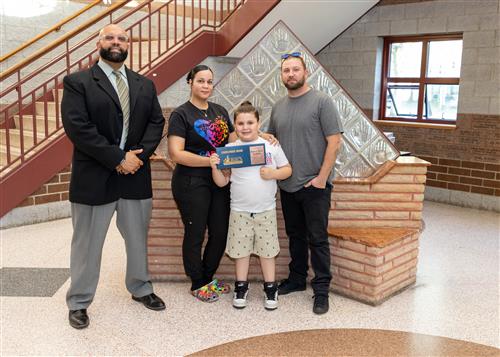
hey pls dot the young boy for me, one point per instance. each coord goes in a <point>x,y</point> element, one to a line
<point>252,222</point>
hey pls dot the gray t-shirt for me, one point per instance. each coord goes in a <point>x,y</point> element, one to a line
<point>301,125</point>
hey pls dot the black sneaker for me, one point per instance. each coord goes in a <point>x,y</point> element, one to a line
<point>286,287</point>
<point>321,304</point>
<point>271,298</point>
<point>240,294</point>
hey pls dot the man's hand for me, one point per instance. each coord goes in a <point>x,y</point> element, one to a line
<point>120,170</point>
<point>270,138</point>
<point>316,182</point>
<point>131,163</point>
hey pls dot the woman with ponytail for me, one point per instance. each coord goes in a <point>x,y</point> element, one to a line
<point>195,130</point>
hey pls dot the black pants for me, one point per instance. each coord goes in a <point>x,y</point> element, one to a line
<point>202,205</point>
<point>306,223</point>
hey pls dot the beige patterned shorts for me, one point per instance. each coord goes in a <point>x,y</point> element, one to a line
<point>252,233</point>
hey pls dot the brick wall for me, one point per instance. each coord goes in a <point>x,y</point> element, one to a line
<point>461,175</point>
<point>54,190</point>
<point>395,201</point>
<point>354,58</point>
<point>476,138</point>
<point>465,159</point>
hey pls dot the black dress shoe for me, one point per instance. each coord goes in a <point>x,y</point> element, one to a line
<point>321,304</point>
<point>151,301</point>
<point>78,318</point>
<point>287,286</point>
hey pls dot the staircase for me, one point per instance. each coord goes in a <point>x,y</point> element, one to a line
<point>167,40</point>
<point>42,123</point>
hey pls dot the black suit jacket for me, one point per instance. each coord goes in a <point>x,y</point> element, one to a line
<point>93,120</point>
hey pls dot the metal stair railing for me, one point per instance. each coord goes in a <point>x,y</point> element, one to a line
<point>30,100</point>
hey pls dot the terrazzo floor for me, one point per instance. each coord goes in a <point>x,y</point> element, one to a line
<point>456,296</point>
<point>349,342</point>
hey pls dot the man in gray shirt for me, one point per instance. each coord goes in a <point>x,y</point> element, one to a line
<point>308,126</point>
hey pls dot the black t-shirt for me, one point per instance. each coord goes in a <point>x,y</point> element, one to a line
<point>203,131</point>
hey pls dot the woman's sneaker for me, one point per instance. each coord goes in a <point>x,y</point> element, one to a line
<point>240,294</point>
<point>271,298</point>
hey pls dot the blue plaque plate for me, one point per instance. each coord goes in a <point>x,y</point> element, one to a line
<point>241,156</point>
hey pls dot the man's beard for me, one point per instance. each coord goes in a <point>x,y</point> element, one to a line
<point>296,85</point>
<point>113,56</point>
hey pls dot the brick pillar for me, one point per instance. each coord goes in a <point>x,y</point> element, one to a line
<point>391,198</point>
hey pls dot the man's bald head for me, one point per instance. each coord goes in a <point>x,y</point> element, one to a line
<point>113,44</point>
<point>112,28</point>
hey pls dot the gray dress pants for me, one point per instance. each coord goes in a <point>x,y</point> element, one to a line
<point>90,225</point>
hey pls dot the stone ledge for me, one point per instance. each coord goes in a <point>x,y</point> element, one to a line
<point>371,237</point>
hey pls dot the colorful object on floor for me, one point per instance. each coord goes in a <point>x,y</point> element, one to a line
<point>220,287</point>
<point>205,293</point>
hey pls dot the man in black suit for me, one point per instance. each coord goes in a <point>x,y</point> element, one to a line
<point>115,122</point>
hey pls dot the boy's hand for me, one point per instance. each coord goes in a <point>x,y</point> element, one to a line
<point>267,173</point>
<point>214,161</point>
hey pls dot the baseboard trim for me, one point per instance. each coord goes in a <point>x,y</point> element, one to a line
<point>463,199</point>
<point>21,216</point>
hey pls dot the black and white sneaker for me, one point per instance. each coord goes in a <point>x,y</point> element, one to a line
<point>240,294</point>
<point>271,296</point>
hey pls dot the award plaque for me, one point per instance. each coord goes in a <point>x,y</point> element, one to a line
<point>241,156</point>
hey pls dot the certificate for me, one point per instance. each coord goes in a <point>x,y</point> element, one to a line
<point>241,156</point>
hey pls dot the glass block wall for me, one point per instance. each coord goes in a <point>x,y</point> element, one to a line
<point>257,78</point>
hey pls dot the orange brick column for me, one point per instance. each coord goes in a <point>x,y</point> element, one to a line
<point>392,197</point>
<point>375,229</point>
<point>166,229</point>
<point>372,264</point>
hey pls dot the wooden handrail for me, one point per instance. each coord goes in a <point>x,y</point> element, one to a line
<point>54,28</point>
<point>63,39</point>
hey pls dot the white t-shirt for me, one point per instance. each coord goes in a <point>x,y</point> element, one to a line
<point>249,192</point>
